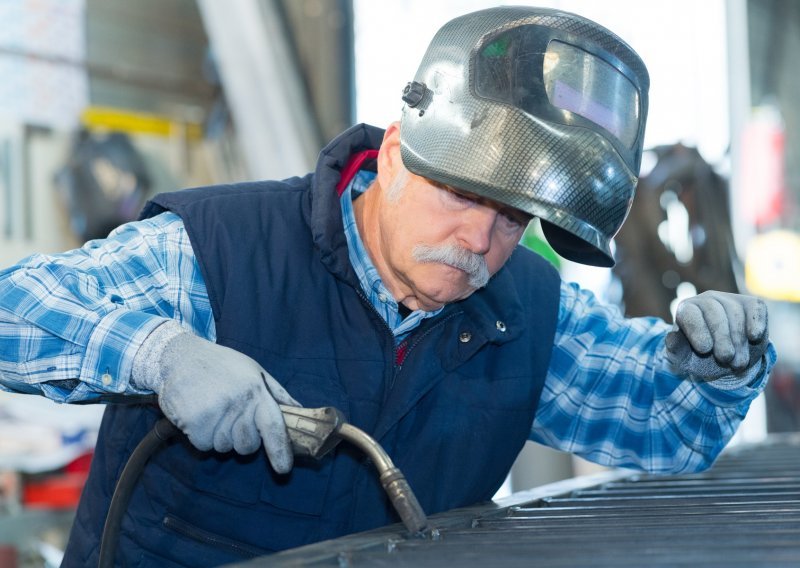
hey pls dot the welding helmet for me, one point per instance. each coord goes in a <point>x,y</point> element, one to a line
<point>538,109</point>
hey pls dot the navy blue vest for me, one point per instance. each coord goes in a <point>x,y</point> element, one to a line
<point>453,417</point>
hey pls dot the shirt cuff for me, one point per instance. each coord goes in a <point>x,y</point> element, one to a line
<point>111,349</point>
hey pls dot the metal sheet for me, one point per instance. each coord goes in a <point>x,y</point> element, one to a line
<point>745,511</point>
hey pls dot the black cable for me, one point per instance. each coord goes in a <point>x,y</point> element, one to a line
<point>161,432</point>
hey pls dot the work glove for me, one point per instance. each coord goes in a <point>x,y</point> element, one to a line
<point>718,335</point>
<point>218,397</point>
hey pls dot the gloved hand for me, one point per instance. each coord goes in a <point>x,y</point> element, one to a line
<point>218,397</point>
<point>718,334</point>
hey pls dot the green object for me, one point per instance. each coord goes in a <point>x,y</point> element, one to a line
<point>532,240</point>
<point>498,48</point>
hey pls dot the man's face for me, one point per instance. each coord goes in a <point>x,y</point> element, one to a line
<point>438,245</point>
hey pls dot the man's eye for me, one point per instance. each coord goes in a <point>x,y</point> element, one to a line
<point>509,222</point>
<point>456,198</point>
<point>512,223</point>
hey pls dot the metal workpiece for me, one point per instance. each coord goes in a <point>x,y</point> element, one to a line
<point>743,512</point>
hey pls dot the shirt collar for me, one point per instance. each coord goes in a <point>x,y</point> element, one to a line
<point>371,283</point>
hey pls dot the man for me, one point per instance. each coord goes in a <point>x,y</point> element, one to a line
<point>405,302</point>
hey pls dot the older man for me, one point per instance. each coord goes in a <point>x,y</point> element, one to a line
<point>388,284</point>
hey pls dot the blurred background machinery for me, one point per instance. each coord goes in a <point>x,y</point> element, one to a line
<point>677,240</point>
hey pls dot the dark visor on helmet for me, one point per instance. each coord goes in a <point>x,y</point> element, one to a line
<point>563,80</point>
<point>580,82</point>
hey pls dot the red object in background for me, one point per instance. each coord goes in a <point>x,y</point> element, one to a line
<point>763,174</point>
<point>80,464</point>
<point>8,556</point>
<point>60,490</point>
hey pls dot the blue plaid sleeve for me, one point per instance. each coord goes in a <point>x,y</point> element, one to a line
<point>611,398</point>
<point>71,323</point>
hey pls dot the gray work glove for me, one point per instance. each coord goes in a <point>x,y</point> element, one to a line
<point>218,397</point>
<point>717,334</point>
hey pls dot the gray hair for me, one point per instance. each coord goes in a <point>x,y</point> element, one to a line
<point>397,185</point>
<point>458,257</point>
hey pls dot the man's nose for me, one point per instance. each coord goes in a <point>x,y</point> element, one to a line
<point>475,231</point>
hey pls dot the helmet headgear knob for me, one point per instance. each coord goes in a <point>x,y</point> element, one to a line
<point>413,93</point>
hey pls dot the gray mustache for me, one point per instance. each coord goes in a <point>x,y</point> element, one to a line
<point>452,255</point>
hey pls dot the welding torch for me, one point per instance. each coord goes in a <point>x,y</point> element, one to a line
<point>313,432</point>
<point>316,431</point>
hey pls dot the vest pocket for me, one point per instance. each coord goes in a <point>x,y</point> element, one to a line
<point>219,542</point>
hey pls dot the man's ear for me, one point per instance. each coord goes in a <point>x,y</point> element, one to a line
<point>389,160</point>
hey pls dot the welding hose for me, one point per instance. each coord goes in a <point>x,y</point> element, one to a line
<point>161,432</point>
<point>392,479</point>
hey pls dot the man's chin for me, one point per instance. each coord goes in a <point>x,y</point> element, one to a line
<point>454,287</point>
<point>437,301</point>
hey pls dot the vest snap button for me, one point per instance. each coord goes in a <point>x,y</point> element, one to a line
<point>500,326</point>
<point>464,337</point>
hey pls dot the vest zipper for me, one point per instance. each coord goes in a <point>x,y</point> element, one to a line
<point>366,301</point>
<point>397,368</point>
<point>420,337</point>
<point>201,535</point>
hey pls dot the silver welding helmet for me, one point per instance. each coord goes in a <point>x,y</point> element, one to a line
<point>539,109</point>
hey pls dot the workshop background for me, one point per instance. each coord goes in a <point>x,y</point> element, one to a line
<point>104,103</point>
